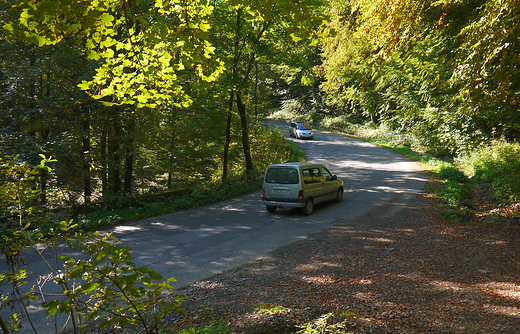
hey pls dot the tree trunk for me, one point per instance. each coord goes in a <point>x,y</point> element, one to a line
<point>87,192</point>
<point>245,133</point>
<point>103,154</point>
<point>228,136</point>
<point>173,141</point>
<point>114,147</point>
<point>129,157</point>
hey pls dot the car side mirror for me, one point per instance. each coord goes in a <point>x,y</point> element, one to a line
<point>334,177</point>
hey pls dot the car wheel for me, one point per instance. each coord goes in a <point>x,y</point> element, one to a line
<point>309,206</point>
<point>271,209</point>
<point>339,195</point>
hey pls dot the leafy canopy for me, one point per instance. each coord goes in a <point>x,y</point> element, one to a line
<point>140,45</point>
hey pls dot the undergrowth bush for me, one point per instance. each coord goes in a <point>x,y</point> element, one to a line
<point>270,146</point>
<point>330,323</point>
<point>498,164</point>
<point>290,110</point>
<point>341,123</point>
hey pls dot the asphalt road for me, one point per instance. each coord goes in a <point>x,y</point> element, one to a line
<point>193,244</point>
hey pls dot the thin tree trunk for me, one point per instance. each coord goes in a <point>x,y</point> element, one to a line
<point>129,157</point>
<point>114,153</point>
<point>171,153</point>
<point>228,137</point>
<point>87,192</point>
<point>103,153</point>
<point>245,133</point>
<point>256,91</point>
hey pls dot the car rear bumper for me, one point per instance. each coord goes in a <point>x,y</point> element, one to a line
<point>279,204</point>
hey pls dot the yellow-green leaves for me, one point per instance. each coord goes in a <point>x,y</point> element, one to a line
<point>140,45</point>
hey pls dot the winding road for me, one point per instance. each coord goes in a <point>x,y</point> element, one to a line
<point>194,244</point>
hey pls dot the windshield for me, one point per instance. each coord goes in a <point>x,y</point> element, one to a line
<point>304,126</point>
<point>282,175</point>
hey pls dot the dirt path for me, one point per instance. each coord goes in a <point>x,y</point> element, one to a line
<point>403,271</point>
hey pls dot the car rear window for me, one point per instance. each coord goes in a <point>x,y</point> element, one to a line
<point>283,175</point>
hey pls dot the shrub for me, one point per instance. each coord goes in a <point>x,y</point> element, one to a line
<point>499,164</point>
<point>290,110</point>
<point>329,323</point>
<point>270,146</point>
<point>335,123</point>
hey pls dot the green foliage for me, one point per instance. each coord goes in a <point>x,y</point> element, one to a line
<point>132,41</point>
<point>499,164</point>
<point>215,327</point>
<point>270,309</point>
<point>106,285</point>
<point>203,322</point>
<point>330,323</point>
<point>109,286</point>
<point>342,123</point>
<point>19,188</point>
<point>443,72</point>
<point>270,147</point>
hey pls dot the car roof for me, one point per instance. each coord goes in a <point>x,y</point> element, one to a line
<point>297,164</point>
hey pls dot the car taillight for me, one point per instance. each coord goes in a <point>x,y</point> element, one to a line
<point>300,194</point>
<point>263,190</point>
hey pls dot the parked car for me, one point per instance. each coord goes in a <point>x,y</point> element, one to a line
<point>301,130</point>
<point>299,185</point>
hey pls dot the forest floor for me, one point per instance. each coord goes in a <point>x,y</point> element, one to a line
<point>389,271</point>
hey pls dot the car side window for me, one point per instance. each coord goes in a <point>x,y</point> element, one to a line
<point>312,175</point>
<point>326,174</point>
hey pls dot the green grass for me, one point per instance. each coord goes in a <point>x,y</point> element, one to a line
<point>270,309</point>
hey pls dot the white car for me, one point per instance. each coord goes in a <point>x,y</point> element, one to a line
<point>300,185</point>
<point>301,130</point>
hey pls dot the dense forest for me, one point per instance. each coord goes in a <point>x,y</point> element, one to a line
<point>446,71</point>
<point>137,96</point>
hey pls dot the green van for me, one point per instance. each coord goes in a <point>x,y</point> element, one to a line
<point>299,185</point>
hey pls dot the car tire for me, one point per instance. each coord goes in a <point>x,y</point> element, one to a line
<point>339,195</point>
<point>271,209</point>
<point>309,207</point>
